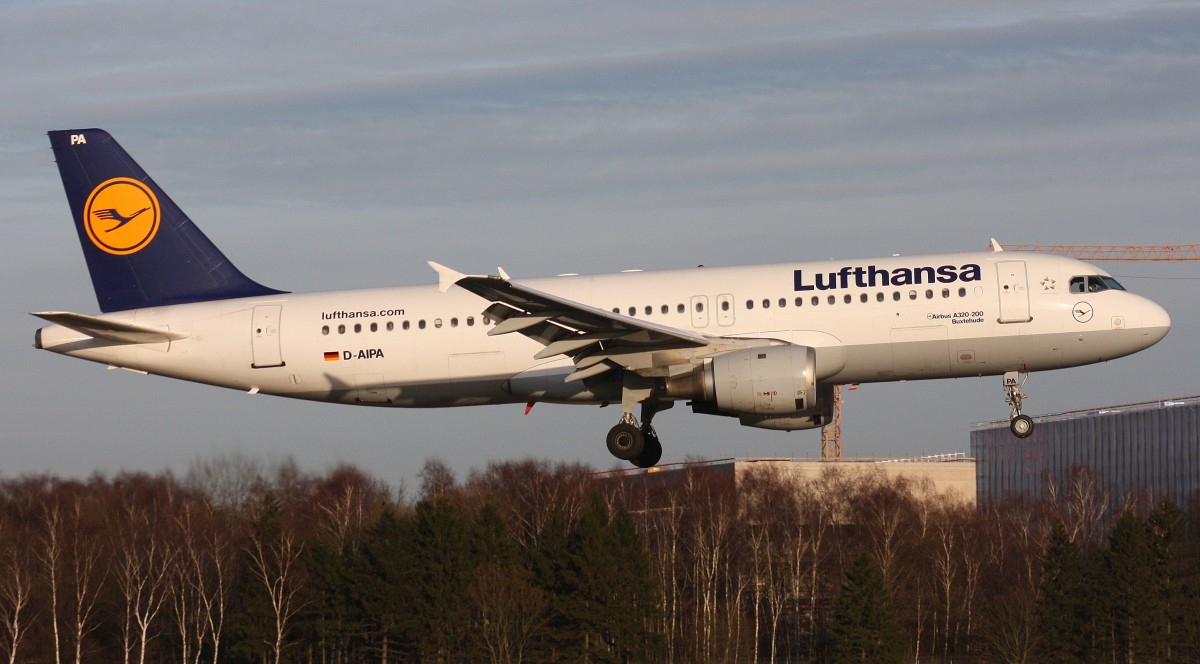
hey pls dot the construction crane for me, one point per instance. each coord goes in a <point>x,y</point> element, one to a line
<point>831,434</point>
<point>1115,252</point>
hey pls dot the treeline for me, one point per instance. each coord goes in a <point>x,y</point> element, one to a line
<point>533,561</point>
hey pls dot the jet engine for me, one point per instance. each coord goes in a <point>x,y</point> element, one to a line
<point>771,387</point>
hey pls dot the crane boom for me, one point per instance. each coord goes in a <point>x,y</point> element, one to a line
<point>1100,252</point>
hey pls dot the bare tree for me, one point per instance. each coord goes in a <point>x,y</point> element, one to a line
<point>16,586</point>
<point>201,579</point>
<point>274,551</point>
<point>1083,503</point>
<point>711,524</point>
<point>528,491</point>
<point>85,579</point>
<point>509,609</point>
<point>50,553</point>
<point>143,567</point>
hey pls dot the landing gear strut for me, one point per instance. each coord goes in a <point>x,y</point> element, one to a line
<point>629,441</point>
<point>1020,425</point>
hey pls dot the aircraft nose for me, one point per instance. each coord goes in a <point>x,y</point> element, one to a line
<point>1156,322</point>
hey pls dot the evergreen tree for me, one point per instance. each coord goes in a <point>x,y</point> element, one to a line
<point>442,557</point>
<point>598,576</point>
<point>508,611</point>
<point>1177,585</point>
<point>385,584</point>
<point>1064,603</point>
<point>865,627</point>
<point>330,618</point>
<point>1131,601</point>
<point>550,563</point>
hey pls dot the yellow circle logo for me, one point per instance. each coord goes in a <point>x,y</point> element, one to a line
<point>121,216</point>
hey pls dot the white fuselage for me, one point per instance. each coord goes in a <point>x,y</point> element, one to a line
<point>417,346</point>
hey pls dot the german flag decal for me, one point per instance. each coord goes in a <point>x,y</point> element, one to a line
<point>332,356</point>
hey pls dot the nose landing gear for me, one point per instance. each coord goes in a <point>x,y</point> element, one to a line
<point>1020,425</point>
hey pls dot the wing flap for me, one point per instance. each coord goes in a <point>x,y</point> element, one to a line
<point>111,330</point>
<point>597,340</point>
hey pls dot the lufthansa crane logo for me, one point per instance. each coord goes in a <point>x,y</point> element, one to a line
<point>1082,311</point>
<point>121,216</point>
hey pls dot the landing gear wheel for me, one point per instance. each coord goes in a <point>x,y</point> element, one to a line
<point>651,452</point>
<point>625,441</point>
<point>1021,426</point>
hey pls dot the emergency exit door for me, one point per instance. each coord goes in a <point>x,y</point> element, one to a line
<point>264,336</point>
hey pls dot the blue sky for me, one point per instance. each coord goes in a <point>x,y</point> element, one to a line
<point>341,145</point>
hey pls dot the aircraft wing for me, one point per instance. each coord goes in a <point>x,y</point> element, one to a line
<point>110,330</point>
<point>595,339</point>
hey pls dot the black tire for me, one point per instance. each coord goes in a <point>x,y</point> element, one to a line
<point>651,452</point>
<point>1021,426</point>
<point>625,441</point>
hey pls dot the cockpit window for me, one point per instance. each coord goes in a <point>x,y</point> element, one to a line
<point>1094,283</point>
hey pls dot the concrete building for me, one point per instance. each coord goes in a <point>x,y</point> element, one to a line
<point>952,474</point>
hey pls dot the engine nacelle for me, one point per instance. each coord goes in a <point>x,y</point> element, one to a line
<point>771,387</point>
<point>822,416</point>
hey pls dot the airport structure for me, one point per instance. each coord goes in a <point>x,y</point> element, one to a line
<point>1141,451</point>
<point>949,474</point>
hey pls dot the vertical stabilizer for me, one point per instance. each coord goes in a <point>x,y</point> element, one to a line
<point>141,249</point>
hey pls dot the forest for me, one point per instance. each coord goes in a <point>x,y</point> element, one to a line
<point>534,561</point>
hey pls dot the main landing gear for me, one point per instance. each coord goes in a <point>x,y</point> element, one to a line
<point>627,440</point>
<point>1020,425</point>
<point>638,445</point>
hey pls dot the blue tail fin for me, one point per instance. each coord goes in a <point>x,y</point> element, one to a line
<point>141,249</point>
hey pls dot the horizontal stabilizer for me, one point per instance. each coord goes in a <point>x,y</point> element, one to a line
<point>110,330</point>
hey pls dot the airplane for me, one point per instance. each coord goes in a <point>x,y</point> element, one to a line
<point>765,344</point>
